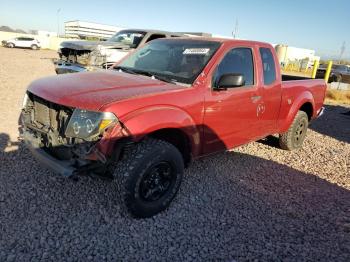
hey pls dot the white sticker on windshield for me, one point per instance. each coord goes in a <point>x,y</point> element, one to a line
<point>196,51</point>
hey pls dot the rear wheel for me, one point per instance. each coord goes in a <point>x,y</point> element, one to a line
<point>338,78</point>
<point>296,134</point>
<point>10,45</point>
<point>149,176</point>
<point>34,47</point>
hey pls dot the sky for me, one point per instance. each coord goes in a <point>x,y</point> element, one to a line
<point>320,25</point>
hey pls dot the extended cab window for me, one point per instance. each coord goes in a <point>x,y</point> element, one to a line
<point>237,61</point>
<point>268,64</point>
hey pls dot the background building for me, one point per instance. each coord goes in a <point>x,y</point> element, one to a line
<point>294,55</point>
<point>86,30</point>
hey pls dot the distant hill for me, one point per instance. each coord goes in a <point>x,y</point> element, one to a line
<point>20,31</point>
<point>5,28</point>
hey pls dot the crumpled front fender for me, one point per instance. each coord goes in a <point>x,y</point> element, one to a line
<point>147,120</point>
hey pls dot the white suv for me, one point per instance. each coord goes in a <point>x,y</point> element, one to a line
<point>22,42</point>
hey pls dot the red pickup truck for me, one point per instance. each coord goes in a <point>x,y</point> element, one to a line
<point>165,104</point>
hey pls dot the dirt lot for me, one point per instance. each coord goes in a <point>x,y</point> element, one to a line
<point>256,202</point>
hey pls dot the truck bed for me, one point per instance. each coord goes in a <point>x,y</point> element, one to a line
<point>294,87</point>
<point>291,77</point>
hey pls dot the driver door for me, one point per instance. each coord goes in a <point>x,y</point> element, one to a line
<point>230,117</point>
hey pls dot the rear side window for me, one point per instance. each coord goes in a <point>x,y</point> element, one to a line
<point>237,61</point>
<point>155,36</point>
<point>268,64</point>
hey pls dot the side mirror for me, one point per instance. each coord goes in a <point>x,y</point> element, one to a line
<point>230,81</point>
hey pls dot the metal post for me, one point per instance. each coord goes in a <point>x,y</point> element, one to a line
<point>328,71</point>
<point>314,69</point>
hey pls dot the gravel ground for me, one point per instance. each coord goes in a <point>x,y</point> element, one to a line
<point>256,202</point>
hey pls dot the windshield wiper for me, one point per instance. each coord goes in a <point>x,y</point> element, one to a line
<point>156,76</point>
<point>125,70</point>
<point>145,73</point>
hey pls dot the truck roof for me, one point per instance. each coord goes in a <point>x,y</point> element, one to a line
<point>153,31</point>
<point>221,40</point>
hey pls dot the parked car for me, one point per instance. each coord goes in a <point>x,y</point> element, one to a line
<point>78,56</point>
<point>338,72</point>
<point>164,105</point>
<point>28,42</point>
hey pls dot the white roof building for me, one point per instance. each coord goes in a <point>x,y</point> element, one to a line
<point>83,29</point>
<point>289,54</point>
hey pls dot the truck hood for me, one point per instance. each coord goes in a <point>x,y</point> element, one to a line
<point>92,90</point>
<point>92,45</point>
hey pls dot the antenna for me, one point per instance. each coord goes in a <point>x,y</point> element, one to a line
<point>58,21</point>
<point>235,32</point>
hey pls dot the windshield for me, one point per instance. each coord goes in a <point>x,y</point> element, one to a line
<point>130,38</point>
<point>178,60</point>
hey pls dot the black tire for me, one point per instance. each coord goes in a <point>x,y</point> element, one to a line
<point>11,45</point>
<point>338,78</point>
<point>296,134</point>
<point>34,47</point>
<point>149,176</point>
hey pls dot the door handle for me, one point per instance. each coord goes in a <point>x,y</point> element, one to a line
<point>255,98</point>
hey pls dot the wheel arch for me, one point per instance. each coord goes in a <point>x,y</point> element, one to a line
<point>308,108</point>
<point>304,102</point>
<point>167,123</point>
<point>177,138</point>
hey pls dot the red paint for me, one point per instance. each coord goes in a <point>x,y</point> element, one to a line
<point>212,120</point>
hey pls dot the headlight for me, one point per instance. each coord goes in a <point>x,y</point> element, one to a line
<point>89,124</point>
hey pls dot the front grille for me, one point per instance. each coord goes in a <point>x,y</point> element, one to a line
<point>47,116</point>
<point>41,112</point>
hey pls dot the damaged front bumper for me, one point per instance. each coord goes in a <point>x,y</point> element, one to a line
<point>91,162</point>
<point>42,126</point>
<point>63,67</point>
<point>61,167</point>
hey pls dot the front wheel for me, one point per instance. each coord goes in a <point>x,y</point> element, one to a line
<point>34,47</point>
<point>10,45</point>
<point>296,134</point>
<point>149,176</point>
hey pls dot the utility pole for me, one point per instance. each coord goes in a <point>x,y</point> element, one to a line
<point>342,50</point>
<point>58,21</point>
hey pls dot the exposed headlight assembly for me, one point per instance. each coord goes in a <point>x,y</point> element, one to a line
<point>87,125</point>
<point>25,100</point>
